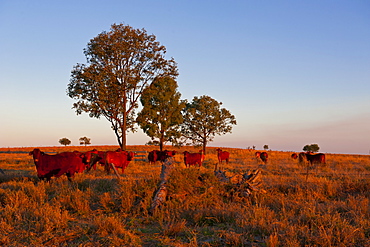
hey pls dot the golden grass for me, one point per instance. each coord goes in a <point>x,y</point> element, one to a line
<point>329,207</point>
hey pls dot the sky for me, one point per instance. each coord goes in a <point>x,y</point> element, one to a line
<point>291,72</point>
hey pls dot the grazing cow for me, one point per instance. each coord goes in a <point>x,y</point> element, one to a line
<point>95,157</point>
<point>193,158</point>
<point>68,163</point>
<point>302,157</point>
<point>119,158</point>
<point>315,158</point>
<point>161,156</point>
<point>264,156</point>
<point>294,156</point>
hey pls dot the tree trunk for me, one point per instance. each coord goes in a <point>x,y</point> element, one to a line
<point>161,194</point>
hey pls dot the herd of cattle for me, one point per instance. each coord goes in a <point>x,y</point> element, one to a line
<point>69,163</point>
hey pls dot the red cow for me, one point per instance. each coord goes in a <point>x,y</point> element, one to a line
<point>222,155</point>
<point>68,163</point>
<point>152,156</point>
<point>264,156</point>
<point>119,158</point>
<point>161,156</point>
<point>258,154</point>
<point>294,156</point>
<point>315,158</point>
<point>193,158</point>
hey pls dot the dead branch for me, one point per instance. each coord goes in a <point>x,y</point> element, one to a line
<point>246,184</point>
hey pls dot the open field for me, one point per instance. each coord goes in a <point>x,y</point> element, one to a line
<point>329,207</point>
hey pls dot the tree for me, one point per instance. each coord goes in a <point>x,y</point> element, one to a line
<point>161,115</point>
<point>121,63</point>
<point>311,148</point>
<point>266,147</point>
<point>64,141</point>
<point>203,119</point>
<point>84,141</point>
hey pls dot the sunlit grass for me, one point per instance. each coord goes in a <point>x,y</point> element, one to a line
<point>329,206</point>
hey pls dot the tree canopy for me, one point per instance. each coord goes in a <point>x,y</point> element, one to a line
<point>85,141</point>
<point>64,141</point>
<point>161,114</point>
<point>311,148</point>
<point>204,119</point>
<point>121,63</point>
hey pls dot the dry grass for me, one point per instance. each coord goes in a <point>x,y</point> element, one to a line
<point>329,207</point>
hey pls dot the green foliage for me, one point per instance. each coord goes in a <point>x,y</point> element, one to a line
<point>121,63</point>
<point>204,118</point>
<point>64,141</point>
<point>85,141</point>
<point>265,147</point>
<point>161,114</point>
<point>311,148</point>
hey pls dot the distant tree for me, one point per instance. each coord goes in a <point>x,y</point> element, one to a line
<point>266,147</point>
<point>121,63</point>
<point>311,148</point>
<point>161,115</point>
<point>85,141</point>
<point>203,119</point>
<point>64,141</point>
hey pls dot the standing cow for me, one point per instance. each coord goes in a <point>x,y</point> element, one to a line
<point>263,156</point>
<point>117,159</point>
<point>68,163</point>
<point>222,155</point>
<point>315,158</point>
<point>161,156</point>
<point>193,158</point>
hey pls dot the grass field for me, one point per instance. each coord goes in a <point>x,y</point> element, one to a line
<point>329,207</point>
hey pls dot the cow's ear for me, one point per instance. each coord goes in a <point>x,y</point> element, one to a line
<point>30,153</point>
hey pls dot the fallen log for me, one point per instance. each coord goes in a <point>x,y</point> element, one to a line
<point>161,194</point>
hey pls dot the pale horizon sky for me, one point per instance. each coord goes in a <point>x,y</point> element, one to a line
<point>292,72</point>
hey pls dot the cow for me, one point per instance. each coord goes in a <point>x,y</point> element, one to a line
<point>222,155</point>
<point>294,156</point>
<point>118,158</point>
<point>161,156</point>
<point>264,156</point>
<point>193,158</point>
<point>68,163</point>
<point>257,154</point>
<point>316,158</point>
<point>98,157</point>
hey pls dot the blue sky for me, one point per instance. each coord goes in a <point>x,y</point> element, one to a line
<point>292,72</point>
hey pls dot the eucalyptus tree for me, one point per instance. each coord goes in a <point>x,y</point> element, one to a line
<point>161,115</point>
<point>85,141</point>
<point>311,148</point>
<point>121,63</point>
<point>64,141</point>
<point>204,119</point>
